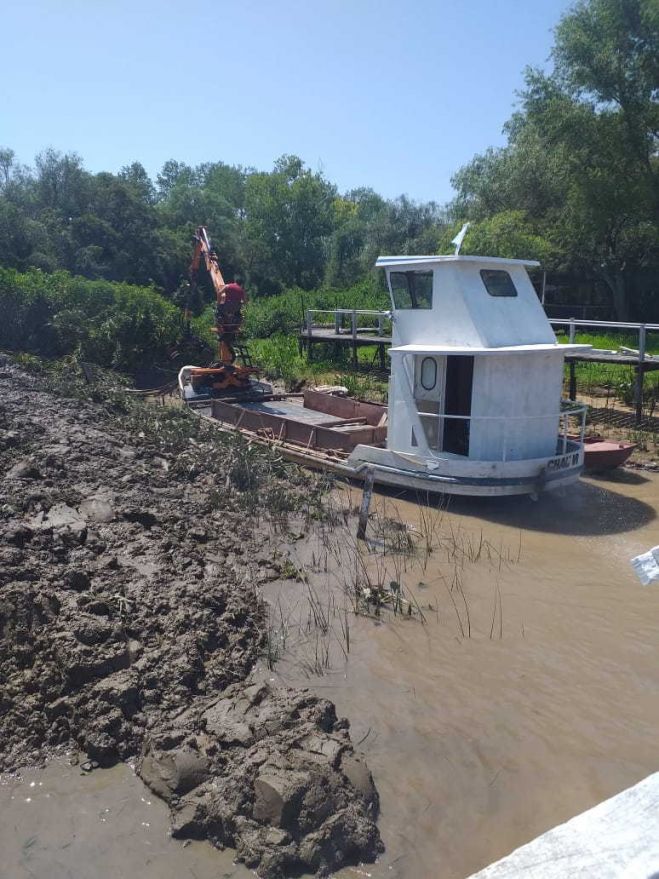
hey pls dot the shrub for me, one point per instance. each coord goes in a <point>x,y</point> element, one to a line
<point>113,324</point>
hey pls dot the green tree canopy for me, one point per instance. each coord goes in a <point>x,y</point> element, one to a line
<point>582,163</point>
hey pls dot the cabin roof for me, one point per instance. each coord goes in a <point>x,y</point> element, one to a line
<point>502,349</point>
<point>391,261</point>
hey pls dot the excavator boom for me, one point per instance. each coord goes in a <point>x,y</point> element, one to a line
<point>225,373</point>
<point>203,250</point>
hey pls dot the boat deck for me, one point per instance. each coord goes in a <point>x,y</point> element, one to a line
<point>292,409</point>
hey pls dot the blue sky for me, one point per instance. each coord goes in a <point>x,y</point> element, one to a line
<point>391,95</point>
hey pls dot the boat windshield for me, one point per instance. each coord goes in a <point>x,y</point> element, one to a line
<point>411,289</point>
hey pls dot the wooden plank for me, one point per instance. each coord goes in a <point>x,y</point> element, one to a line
<point>618,839</point>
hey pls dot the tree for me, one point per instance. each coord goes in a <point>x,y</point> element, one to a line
<point>288,218</point>
<point>581,161</point>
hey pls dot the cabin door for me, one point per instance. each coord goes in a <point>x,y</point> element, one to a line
<point>429,397</point>
<point>459,382</point>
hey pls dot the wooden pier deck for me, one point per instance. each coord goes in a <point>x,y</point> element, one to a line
<point>357,337</point>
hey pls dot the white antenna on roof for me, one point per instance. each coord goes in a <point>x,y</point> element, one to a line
<point>460,237</point>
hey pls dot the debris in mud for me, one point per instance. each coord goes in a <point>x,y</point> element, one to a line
<point>130,623</point>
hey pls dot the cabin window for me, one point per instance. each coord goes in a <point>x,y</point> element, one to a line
<point>411,289</point>
<point>428,373</point>
<point>498,282</point>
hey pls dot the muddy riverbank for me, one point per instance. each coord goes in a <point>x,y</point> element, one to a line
<point>132,549</point>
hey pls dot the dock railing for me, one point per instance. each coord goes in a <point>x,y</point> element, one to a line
<point>380,319</point>
<point>639,353</point>
<point>333,328</point>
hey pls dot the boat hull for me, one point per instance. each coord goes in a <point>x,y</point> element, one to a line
<point>335,443</point>
<point>604,455</point>
<point>475,478</point>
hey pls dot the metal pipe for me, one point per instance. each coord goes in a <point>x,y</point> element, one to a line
<point>609,324</point>
<point>640,373</point>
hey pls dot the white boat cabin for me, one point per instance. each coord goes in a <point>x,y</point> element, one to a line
<point>476,379</point>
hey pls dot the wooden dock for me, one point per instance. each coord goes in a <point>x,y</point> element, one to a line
<point>355,336</point>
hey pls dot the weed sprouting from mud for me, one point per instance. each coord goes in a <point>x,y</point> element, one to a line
<point>404,571</point>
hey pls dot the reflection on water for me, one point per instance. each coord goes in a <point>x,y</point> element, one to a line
<point>595,506</point>
<point>59,823</point>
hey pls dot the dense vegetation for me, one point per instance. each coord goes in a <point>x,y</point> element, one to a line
<point>112,324</point>
<point>284,228</point>
<point>577,186</point>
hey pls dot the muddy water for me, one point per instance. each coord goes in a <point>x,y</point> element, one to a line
<point>530,693</point>
<point>60,823</point>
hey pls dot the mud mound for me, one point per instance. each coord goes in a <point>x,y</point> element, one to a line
<point>130,621</point>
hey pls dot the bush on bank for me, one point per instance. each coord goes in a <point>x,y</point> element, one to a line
<point>113,324</point>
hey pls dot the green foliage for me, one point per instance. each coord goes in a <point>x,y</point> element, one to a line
<point>279,357</point>
<point>581,166</point>
<point>283,313</point>
<point>114,325</point>
<point>506,234</point>
<point>288,217</point>
<point>283,228</point>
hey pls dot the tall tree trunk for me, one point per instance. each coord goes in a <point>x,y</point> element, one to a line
<point>615,281</point>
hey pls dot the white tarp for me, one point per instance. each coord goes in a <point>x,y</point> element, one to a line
<point>618,839</point>
<point>647,566</point>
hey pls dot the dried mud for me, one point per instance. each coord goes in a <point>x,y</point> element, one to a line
<point>130,620</point>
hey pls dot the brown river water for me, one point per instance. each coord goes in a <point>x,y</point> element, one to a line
<point>522,688</point>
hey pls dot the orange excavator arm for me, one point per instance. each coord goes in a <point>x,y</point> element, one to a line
<point>225,373</point>
<point>204,250</point>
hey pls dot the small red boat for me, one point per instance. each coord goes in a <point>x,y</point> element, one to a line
<point>602,454</point>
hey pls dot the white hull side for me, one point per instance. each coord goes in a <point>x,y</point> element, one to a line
<point>465,477</point>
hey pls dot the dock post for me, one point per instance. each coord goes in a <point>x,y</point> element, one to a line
<point>367,494</point>
<point>640,373</point>
<point>337,322</point>
<point>573,380</point>
<point>572,330</point>
<point>354,337</point>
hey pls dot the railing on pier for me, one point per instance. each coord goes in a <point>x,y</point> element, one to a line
<point>366,324</point>
<point>382,320</point>
<point>639,354</point>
